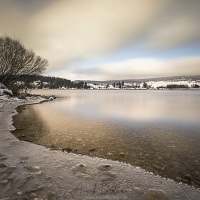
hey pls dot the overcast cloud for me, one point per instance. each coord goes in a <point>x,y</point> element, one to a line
<point>68,32</point>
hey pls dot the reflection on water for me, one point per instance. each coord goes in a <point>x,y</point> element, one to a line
<point>157,130</point>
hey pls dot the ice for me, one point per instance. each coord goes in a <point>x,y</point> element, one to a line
<point>29,171</point>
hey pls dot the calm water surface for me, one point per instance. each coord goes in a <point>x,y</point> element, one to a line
<point>156,130</point>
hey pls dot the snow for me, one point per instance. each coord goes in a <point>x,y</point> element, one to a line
<point>156,84</point>
<point>152,84</point>
<point>4,90</point>
<point>29,171</point>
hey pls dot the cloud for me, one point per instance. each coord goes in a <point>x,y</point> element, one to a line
<point>16,15</point>
<point>71,30</point>
<point>66,32</point>
<point>138,68</point>
<point>177,25</point>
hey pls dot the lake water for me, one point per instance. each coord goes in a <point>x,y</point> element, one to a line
<point>156,130</point>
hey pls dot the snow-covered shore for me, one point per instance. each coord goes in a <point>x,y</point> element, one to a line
<point>29,171</point>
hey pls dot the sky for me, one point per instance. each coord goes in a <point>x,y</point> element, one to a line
<point>108,39</point>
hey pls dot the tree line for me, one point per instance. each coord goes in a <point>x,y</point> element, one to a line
<point>42,82</point>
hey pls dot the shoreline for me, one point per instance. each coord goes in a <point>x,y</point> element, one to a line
<point>31,171</point>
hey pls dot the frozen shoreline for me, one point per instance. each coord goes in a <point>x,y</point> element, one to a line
<point>35,172</point>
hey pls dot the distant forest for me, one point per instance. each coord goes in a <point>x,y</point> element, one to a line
<point>48,82</point>
<point>39,82</point>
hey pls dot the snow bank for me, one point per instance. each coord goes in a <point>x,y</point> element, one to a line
<point>29,171</point>
<point>4,90</point>
<point>155,84</point>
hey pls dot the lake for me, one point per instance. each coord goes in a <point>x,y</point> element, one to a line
<point>156,130</point>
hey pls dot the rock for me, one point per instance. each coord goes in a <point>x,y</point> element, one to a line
<point>21,96</point>
<point>92,150</point>
<point>27,95</point>
<point>67,149</point>
<point>32,168</point>
<point>12,168</point>
<point>4,182</point>
<point>38,173</point>
<point>51,98</point>
<point>156,166</point>
<point>80,168</point>
<point>138,191</point>
<point>3,158</point>
<point>172,173</point>
<point>196,161</point>
<point>24,157</point>
<point>159,167</point>
<point>159,158</point>
<point>29,177</point>
<point>104,167</point>
<point>178,178</point>
<point>28,167</point>
<point>152,194</point>
<point>52,146</point>
<point>196,172</point>
<point>188,177</point>
<point>2,165</point>
<point>10,178</point>
<point>36,167</point>
<point>108,176</point>
<point>34,194</point>
<point>41,187</point>
<point>30,190</point>
<point>19,193</point>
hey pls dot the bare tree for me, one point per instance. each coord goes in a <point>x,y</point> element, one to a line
<point>16,60</point>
